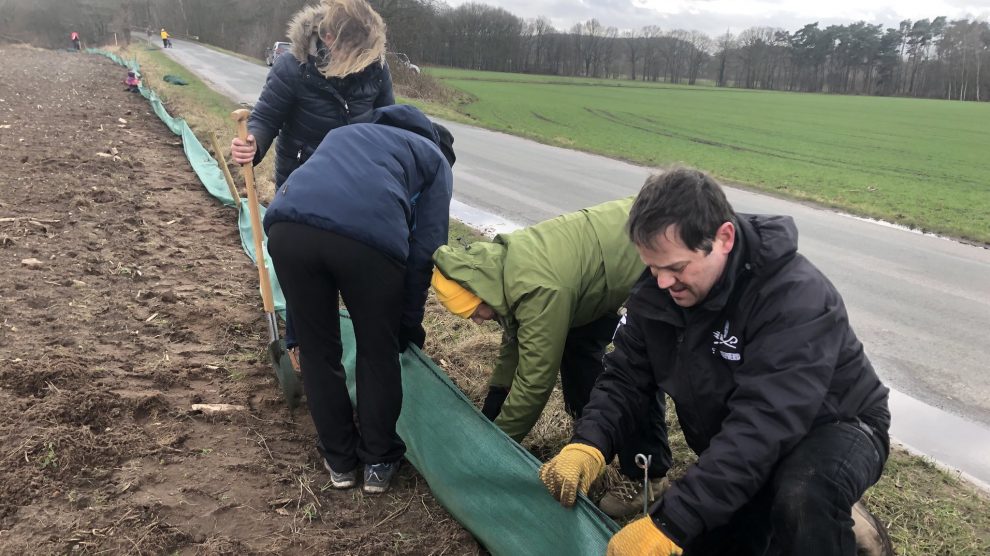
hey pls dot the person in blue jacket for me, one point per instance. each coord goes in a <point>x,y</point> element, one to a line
<point>362,218</point>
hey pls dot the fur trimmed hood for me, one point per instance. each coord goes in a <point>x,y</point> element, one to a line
<point>307,45</point>
<point>304,33</point>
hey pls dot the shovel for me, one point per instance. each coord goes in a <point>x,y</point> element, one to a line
<point>287,378</point>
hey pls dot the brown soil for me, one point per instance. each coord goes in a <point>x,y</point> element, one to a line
<point>141,303</point>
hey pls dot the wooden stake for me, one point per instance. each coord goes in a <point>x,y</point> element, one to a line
<point>222,161</point>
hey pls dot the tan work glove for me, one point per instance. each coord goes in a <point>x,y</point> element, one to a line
<point>571,471</point>
<point>642,538</point>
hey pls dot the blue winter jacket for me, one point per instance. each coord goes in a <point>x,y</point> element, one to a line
<point>299,106</point>
<point>384,183</point>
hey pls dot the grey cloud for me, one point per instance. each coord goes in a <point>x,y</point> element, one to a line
<point>623,15</point>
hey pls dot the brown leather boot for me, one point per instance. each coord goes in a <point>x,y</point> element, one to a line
<point>626,499</point>
<point>871,535</point>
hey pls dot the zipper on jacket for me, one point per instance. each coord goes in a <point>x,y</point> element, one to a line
<point>285,186</point>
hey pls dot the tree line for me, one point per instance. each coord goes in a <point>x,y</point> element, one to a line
<point>929,58</point>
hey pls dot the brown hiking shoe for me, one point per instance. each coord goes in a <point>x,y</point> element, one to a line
<point>626,499</point>
<point>871,535</point>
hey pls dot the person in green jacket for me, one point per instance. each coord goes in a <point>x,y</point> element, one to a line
<point>556,288</point>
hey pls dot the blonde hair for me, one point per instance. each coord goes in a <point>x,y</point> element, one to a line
<point>358,36</point>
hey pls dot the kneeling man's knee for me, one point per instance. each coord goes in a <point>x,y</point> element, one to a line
<point>800,501</point>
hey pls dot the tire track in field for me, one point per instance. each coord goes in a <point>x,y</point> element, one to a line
<point>784,155</point>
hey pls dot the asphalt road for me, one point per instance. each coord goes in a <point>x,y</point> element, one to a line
<point>920,304</point>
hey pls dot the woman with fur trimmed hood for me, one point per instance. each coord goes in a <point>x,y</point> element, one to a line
<point>335,74</point>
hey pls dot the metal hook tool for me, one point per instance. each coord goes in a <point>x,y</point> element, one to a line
<point>643,462</point>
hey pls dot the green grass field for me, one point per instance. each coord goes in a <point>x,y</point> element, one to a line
<point>920,163</point>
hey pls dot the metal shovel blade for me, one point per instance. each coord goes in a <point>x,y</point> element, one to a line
<point>287,379</point>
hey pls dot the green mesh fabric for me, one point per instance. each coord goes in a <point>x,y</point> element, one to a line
<point>486,480</point>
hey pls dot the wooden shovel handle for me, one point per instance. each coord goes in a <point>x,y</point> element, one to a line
<point>247,170</point>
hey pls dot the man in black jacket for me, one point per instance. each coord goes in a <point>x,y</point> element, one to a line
<point>773,391</point>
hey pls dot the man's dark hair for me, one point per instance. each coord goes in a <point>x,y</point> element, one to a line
<point>682,197</point>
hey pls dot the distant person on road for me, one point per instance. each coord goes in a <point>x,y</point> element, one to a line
<point>556,289</point>
<point>76,43</point>
<point>773,390</point>
<point>166,39</point>
<point>362,217</point>
<point>335,75</point>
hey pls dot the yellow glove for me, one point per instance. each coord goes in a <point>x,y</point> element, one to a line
<point>572,470</point>
<point>642,538</point>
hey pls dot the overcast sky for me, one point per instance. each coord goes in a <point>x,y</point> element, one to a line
<point>715,16</point>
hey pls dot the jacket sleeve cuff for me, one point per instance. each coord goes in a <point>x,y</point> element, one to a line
<point>597,441</point>
<point>678,526</point>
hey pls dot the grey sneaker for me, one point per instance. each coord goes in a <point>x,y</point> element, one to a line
<point>341,480</point>
<point>626,499</point>
<point>377,476</point>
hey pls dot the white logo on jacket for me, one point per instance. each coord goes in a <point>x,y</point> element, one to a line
<point>622,323</point>
<point>725,344</point>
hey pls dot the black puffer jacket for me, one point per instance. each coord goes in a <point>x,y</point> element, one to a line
<point>300,106</point>
<point>767,356</point>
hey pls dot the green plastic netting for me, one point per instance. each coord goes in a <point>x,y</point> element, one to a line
<point>487,481</point>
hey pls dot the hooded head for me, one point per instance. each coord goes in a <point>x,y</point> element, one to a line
<point>405,116</point>
<point>457,299</point>
<point>478,270</point>
<point>344,36</point>
<point>446,142</point>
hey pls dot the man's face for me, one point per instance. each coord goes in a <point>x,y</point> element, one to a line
<point>687,275</point>
<point>483,313</point>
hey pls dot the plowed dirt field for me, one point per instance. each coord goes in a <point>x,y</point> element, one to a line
<point>125,299</point>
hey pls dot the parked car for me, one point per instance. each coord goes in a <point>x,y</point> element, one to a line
<point>404,60</point>
<point>276,50</point>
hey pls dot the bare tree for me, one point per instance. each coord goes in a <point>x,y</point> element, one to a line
<point>589,38</point>
<point>725,44</point>
<point>633,43</point>
<point>701,51</point>
<point>652,63</point>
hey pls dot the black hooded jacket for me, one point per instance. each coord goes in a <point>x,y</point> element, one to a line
<point>768,355</point>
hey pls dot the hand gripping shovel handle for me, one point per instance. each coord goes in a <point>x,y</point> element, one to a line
<point>241,116</point>
<point>287,379</point>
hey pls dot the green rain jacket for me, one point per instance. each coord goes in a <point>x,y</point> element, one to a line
<point>542,281</point>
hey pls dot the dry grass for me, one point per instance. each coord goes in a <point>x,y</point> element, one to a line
<point>421,86</point>
<point>930,511</point>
